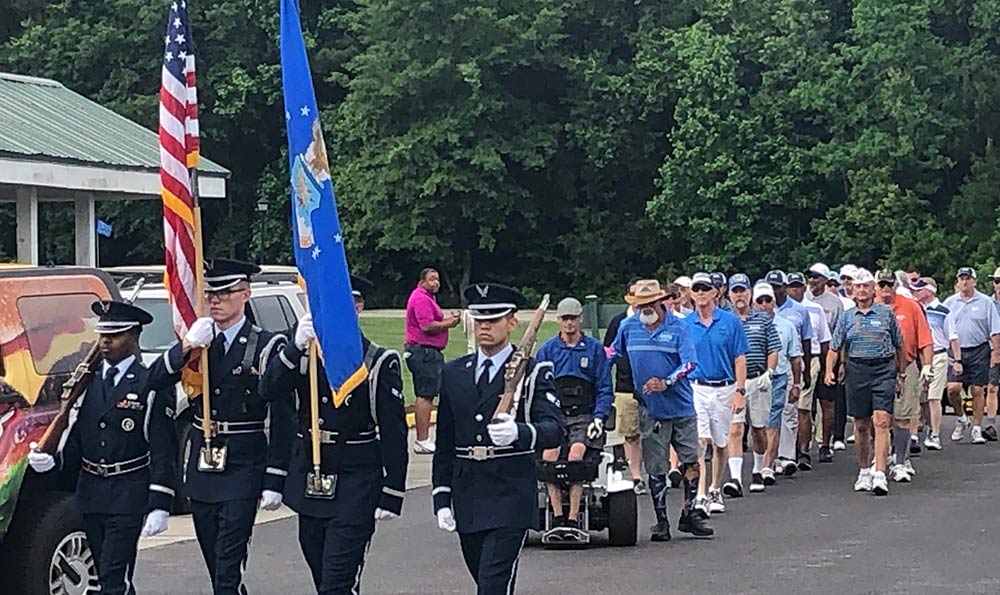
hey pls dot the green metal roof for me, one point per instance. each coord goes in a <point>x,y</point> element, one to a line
<point>40,118</point>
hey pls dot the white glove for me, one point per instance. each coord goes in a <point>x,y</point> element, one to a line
<point>201,333</point>
<point>270,500</point>
<point>156,523</point>
<point>40,461</point>
<point>305,332</point>
<point>595,429</point>
<point>925,373</point>
<point>384,515</point>
<point>446,519</point>
<point>504,431</point>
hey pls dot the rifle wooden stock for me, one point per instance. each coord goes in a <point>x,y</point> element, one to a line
<point>518,364</point>
<point>73,388</point>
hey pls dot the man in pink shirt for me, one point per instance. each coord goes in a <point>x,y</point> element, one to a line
<point>426,337</point>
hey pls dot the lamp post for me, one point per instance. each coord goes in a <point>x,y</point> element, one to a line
<point>261,214</point>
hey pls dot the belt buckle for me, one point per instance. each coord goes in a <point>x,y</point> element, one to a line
<point>102,471</point>
<point>479,453</point>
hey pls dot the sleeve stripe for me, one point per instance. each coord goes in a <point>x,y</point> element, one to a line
<point>534,435</point>
<point>284,360</point>
<point>154,487</point>
<point>276,471</point>
<point>392,492</point>
<point>166,361</point>
<point>440,490</point>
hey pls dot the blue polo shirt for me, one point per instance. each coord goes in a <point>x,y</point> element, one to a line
<point>587,361</point>
<point>666,352</point>
<point>798,315</point>
<point>717,345</point>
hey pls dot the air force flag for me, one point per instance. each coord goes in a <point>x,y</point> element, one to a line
<point>318,243</point>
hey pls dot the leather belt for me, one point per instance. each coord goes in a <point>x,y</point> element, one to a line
<point>937,351</point>
<point>326,437</point>
<point>231,427</point>
<point>485,453</point>
<point>113,469</point>
<point>715,383</point>
<point>757,375</point>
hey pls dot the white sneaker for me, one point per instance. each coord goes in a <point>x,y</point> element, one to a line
<point>701,504</point>
<point>715,501</point>
<point>880,487</point>
<point>977,435</point>
<point>839,445</point>
<point>959,431</point>
<point>767,474</point>
<point>909,468</point>
<point>864,482</point>
<point>423,447</point>
<point>850,439</point>
<point>900,474</point>
<point>933,442</point>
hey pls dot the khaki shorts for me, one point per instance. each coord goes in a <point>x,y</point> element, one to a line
<point>907,404</point>
<point>939,378</point>
<point>806,395</point>
<point>758,402</point>
<point>627,415</point>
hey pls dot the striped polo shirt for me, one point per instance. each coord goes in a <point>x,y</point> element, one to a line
<point>873,334</point>
<point>936,314</point>
<point>763,339</point>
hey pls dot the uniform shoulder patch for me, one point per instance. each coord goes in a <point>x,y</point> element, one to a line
<point>552,399</point>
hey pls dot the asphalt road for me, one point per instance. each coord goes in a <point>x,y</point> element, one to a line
<point>808,534</point>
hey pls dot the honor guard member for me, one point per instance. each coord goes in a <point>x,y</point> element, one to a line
<point>484,470</point>
<point>244,463</point>
<point>583,384</point>
<point>121,444</point>
<point>363,448</point>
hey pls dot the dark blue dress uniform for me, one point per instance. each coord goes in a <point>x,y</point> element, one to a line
<point>254,426</point>
<point>493,490</point>
<point>363,443</point>
<point>121,443</point>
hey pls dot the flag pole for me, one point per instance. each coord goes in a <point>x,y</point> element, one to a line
<point>199,275</point>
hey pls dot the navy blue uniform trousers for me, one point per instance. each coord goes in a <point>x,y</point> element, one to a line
<point>224,530</point>
<point>491,557</point>
<point>335,552</point>
<point>113,539</point>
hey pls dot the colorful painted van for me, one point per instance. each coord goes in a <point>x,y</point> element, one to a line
<point>46,328</point>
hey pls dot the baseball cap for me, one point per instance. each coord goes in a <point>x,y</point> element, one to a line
<point>833,278</point>
<point>966,271</point>
<point>684,281</point>
<point>762,288</point>
<point>776,277</point>
<point>820,269</point>
<point>718,279</point>
<point>885,275</point>
<point>848,270</point>
<point>569,307</point>
<point>796,279</point>
<point>702,279</point>
<point>739,280</point>
<point>862,275</point>
<point>924,283</point>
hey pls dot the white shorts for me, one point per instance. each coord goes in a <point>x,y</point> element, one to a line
<point>758,402</point>
<point>713,405</point>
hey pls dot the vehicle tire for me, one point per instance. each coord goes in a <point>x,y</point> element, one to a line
<point>54,558</point>
<point>623,519</point>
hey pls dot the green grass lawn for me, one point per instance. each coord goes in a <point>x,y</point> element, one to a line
<point>388,332</point>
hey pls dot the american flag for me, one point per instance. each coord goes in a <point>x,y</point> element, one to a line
<point>178,155</point>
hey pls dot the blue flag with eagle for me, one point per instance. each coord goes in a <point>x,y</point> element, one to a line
<point>318,243</point>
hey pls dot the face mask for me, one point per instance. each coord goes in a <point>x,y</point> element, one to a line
<point>648,317</point>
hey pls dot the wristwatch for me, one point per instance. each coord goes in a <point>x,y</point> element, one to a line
<point>742,391</point>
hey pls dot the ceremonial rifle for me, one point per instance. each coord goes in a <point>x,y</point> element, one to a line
<point>73,388</point>
<point>518,364</point>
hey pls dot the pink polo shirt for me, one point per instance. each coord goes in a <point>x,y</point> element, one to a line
<point>421,310</point>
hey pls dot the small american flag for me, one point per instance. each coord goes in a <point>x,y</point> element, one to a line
<point>178,155</point>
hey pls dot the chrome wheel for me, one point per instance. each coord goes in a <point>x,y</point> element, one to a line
<point>72,570</point>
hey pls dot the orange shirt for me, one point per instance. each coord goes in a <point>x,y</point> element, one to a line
<point>913,324</point>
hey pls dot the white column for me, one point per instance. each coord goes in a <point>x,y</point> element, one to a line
<point>86,230</point>
<point>27,225</point>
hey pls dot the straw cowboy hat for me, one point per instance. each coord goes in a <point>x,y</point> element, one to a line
<point>647,291</point>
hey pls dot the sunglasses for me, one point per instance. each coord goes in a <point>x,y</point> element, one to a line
<point>832,284</point>
<point>996,280</point>
<point>702,288</point>
<point>569,317</point>
<point>766,299</point>
<point>884,284</point>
